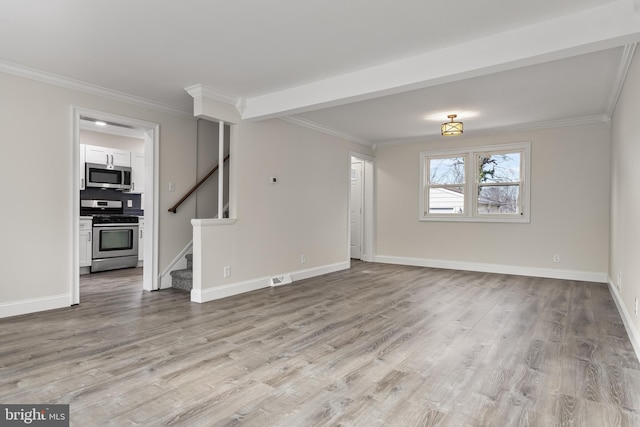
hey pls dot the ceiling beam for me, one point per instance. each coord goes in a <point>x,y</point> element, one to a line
<point>611,25</point>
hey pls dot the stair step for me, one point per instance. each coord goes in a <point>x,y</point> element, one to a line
<point>182,279</point>
<point>189,258</point>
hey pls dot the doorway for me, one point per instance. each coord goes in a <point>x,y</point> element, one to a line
<point>361,193</point>
<point>149,133</point>
<point>356,200</point>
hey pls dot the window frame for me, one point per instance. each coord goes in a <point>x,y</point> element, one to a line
<point>472,185</point>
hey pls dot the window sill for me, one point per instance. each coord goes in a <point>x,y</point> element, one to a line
<point>511,219</point>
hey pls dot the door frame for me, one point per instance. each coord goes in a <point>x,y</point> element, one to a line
<point>368,205</point>
<point>151,205</point>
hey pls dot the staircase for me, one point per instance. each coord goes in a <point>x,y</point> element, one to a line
<point>183,279</point>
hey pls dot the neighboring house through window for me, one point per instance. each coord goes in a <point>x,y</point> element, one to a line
<point>489,183</point>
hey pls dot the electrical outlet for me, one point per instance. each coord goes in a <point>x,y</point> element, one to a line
<point>303,259</point>
<point>227,271</point>
<point>556,257</point>
<point>129,203</point>
<point>172,186</point>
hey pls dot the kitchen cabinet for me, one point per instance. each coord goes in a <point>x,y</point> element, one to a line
<point>107,156</point>
<point>140,241</point>
<point>137,173</point>
<point>83,170</point>
<point>85,242</point>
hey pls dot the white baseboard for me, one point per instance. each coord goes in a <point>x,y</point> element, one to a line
<point>34,305</point>
<point>632,331</point>
<point>231,289</point>
<point>178,263</point>
<point>585,276</point>
<point>319,271</point>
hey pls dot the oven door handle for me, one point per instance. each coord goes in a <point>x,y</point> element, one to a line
<point>121,225</point>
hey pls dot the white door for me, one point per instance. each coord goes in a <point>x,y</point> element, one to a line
<point>356,210</point>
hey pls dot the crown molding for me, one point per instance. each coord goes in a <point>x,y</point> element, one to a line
<point>329,131</point>
<point>226,107</point>
<point>241,105</point>
<point>200,92</point>
<point>218,95</point>
<point>621,76</point>
<point>525,127</point>
<point>78,85</point>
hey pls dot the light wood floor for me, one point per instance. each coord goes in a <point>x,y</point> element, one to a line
<point>375,345</point>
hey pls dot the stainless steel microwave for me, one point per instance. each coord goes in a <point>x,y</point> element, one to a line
<point>103,176</point>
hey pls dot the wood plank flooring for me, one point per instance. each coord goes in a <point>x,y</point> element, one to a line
<point>376,345</point>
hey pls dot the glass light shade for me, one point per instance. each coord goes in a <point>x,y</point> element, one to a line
<point>451,128</point>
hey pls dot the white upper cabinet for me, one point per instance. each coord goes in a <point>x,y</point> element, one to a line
<point>137,173</point>
<point>107,156</point>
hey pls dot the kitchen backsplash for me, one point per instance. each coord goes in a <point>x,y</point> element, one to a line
<point>110,194</point>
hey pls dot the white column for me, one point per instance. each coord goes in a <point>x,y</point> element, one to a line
<point>221,170</point>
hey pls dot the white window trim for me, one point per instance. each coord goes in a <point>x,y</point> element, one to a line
<point>470,185</point>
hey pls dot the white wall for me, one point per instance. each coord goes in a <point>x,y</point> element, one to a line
<point>306,212</point>
<point>569,212</point>
<point>625,199</point>
<point>37,152</point>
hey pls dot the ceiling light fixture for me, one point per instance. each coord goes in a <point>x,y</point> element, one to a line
<point>100,123</point>
<point>451,128</point>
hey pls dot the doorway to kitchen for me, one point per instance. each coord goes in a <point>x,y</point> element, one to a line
<point>142,200</point>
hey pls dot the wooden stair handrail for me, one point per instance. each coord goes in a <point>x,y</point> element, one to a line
<point>174,208</point>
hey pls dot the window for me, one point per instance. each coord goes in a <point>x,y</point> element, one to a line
<point>488,184</point>
<point>445,182</point>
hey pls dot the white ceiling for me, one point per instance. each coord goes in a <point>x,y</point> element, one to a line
<point>368,69</point>
<point>560,90</point>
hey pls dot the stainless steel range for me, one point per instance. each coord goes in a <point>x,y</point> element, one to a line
<point>115,236</point>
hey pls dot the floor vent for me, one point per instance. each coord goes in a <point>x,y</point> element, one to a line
<point>281,280</point>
